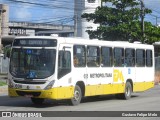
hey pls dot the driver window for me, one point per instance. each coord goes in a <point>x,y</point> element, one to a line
<point>64,63</point>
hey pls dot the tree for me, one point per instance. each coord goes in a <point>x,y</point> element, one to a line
<point>121,22</point>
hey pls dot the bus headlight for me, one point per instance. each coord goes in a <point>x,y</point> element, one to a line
<point>50,85</point>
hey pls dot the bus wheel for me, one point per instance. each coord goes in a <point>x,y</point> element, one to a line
<point>77,96</point>
<point>127,94</point>
<point>128,91</point>
<point>37,101</point>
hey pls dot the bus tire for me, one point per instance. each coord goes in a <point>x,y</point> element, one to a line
<point>37,101</point>
<point>77,96</point>
<point>128,91</point>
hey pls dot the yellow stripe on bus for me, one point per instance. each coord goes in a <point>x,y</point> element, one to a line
<point>90,90</point>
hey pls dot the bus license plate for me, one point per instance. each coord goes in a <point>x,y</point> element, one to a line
<point>28,96</point>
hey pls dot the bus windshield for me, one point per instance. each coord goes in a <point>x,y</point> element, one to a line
<point>32,63</point>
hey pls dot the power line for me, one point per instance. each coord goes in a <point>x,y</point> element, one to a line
<point>42,4</point>
<point>48,4</point>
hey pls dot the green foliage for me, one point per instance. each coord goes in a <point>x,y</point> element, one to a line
<point>121,21</point>
<point>7,51</point>
<point>2,83</point>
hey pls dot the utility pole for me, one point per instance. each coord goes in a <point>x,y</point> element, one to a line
<point>75,25</point>
<point>156,17</point>
<point>1,17</point>
<point>142,18</point>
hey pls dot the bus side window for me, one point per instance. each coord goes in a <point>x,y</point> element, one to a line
<point>106,56</point>
<point>140,57</point>
<point>64,63</point>
<point>149,60</point>
<point>118,57</point>
<point>79,56</point>
<point>130,57</point>
<point>93,56</point>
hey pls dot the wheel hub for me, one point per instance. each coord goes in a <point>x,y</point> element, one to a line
<point>76,95</point>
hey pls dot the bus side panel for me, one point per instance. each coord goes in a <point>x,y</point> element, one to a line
<point>142,86</point>
<point>65,92</point>
<point>90,90</point>
<point>105,89</point>
<point>144,79</point>
<point>99,81</point>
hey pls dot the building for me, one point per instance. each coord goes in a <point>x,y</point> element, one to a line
<point>35,29</point>
<point>81,25</point>
<point>10,29</point>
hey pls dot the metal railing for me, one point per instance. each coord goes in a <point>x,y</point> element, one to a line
<point>4,64</point>
<point>157,69</point>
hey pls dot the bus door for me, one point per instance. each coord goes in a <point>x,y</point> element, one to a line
<point>79,64</point>
<point>64,71</point>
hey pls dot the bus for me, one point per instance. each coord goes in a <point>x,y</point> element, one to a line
<point>60,68</point>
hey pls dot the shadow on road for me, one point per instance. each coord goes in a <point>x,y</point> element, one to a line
<point>26,102</point>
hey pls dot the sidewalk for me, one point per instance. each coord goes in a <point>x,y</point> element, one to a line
<point>3,89</point>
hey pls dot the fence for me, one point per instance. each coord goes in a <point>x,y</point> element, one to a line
<point>157,69</point>
<point>4,64</point>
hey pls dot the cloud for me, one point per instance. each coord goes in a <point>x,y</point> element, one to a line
<point>22,13</point>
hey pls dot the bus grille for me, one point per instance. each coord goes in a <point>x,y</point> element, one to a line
<point>29,82</point>
<point>23,93</point>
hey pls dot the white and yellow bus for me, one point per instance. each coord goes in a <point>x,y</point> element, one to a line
<point>71,68</point>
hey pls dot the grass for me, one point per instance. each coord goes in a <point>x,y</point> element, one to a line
<point>2,83</point>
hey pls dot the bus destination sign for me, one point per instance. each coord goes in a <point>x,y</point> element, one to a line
<point>35,42</point>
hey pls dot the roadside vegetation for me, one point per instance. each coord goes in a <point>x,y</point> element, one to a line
<point>2,83</point>
<point>122,20</point>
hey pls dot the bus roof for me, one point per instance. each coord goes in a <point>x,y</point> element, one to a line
<point>94,42</point>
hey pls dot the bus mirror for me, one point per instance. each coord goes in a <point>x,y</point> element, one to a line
<point>7,50</point>
<point>64,48</point>
<point>4,56</point>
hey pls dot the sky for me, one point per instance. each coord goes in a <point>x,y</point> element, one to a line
<point>59,11</point>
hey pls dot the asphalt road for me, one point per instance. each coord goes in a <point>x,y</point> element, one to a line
<point>145,101</point>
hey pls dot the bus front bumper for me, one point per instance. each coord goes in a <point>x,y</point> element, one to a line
<point>53,93</point>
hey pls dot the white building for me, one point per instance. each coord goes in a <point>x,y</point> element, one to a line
<point>81,25</point>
